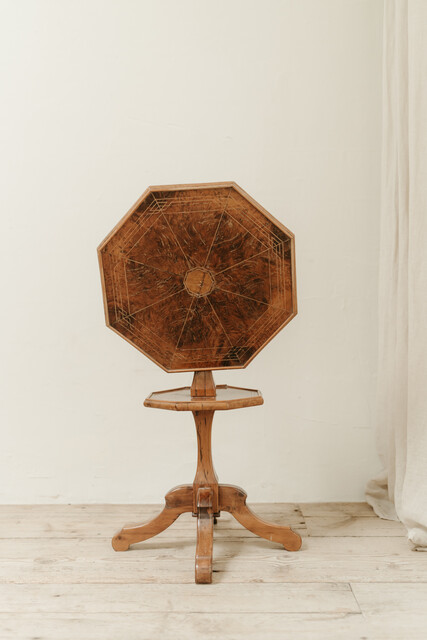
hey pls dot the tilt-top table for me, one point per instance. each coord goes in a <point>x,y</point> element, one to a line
<point>200,277</point>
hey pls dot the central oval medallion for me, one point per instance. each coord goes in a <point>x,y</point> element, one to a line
<point>199,281</point>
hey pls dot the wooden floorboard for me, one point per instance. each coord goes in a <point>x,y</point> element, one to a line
<point>356,576</point>
<point>184,626</point>
<point>352,526</point>
<point>94,521</point>
<point>188,598</point>
<point>334,509</point>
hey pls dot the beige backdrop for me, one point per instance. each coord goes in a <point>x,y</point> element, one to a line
<point>101,99</point>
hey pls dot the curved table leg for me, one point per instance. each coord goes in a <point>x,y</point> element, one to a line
<point>178,500</point>
<point>204,546</point>
<point>233,499</point>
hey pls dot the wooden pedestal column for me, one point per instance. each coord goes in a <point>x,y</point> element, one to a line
<point>205,498</point>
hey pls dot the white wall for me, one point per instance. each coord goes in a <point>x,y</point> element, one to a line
<point>101,99</point>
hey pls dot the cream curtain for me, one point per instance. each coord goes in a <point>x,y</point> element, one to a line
<point>400,490</point>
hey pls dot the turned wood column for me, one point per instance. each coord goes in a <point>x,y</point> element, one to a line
<point>205,472</point>
<point>203,387</point>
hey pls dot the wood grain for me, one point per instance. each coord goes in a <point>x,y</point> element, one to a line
<point>204,547</point>
<point>233,499</point>
<point>182,399</point>
<point>184,598</point>
<point>203,385</point>
<point>206,497</point>
<point>182,626</point>
<point>205,473</point>
<point>198,276</point>
<point>341,525</point>
<point>61,581</point>
<point>177,501</point>
<point>168,559</point>
<point>95,521</point>
<point>337,509</point>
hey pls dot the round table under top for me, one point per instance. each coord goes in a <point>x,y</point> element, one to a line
<point>226,398</point>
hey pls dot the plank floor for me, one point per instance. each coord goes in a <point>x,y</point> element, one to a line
<point>355,577</point>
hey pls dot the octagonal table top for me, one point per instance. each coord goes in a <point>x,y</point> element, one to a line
<point>198,276</point>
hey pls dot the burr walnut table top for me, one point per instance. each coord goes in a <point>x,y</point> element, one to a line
<point>198,277</point>
<point>226,398</point>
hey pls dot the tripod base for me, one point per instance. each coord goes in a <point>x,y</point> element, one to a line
<point>180,500</point>
<point>205,498</point>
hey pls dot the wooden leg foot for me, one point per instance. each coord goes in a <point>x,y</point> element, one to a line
<point>178,500</point>
<point>233,500</point>
<point>204,547</point>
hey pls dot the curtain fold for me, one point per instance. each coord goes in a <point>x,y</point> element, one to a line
<point>400,489</point>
